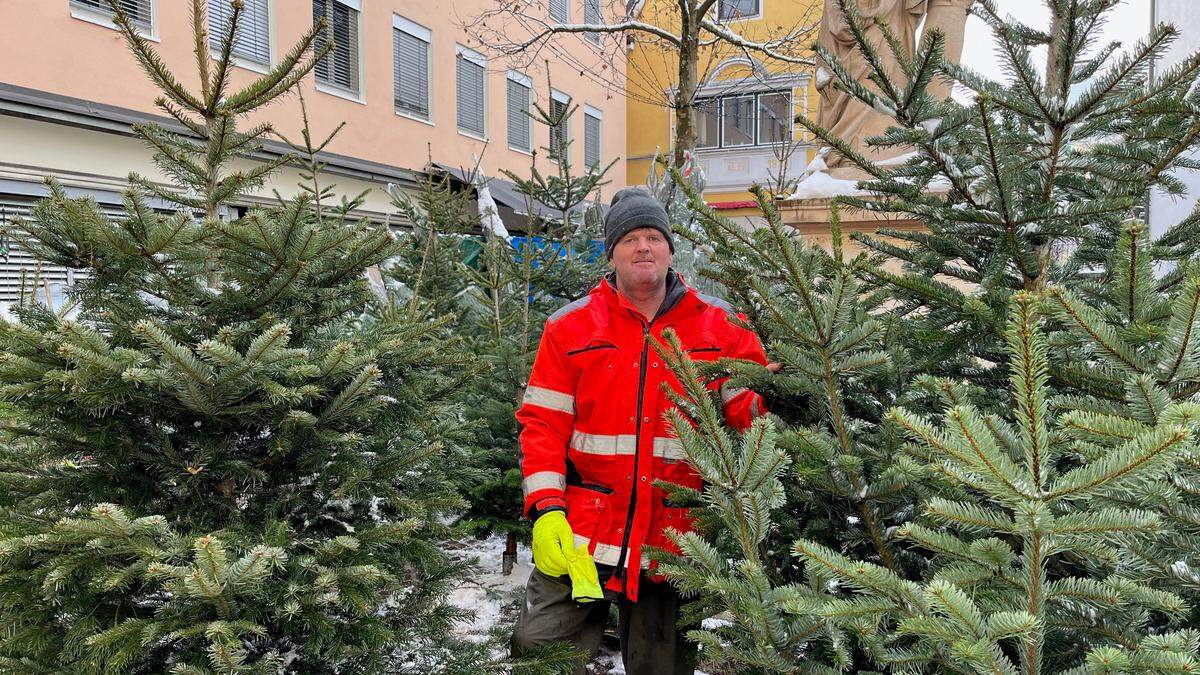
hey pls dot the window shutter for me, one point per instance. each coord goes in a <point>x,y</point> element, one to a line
<point>558,132</point>
<point>19,265</point>
<point>139,11</point>
<point>340,66</point>
<point>591,140</point>
<point>518,116</point>
<point>560,10</point>
<point>253,41</point>
<point>591,14</point>
<point>470,95</point>
<point>411,73</point>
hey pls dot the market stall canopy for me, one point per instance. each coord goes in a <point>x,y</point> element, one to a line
<point>515,208</point>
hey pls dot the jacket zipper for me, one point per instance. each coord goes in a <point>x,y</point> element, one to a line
<point>620,571</point>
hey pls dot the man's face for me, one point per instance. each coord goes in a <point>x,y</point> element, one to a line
<point>641,257</point>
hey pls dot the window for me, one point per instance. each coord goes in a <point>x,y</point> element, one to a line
<point>737,121</point>
<point>471,71</point>
<point>519,89</point>
<point>774,118</point>
<point>743,120</point>
<point>410,67</point>
<point>591,14</point>
<point>340,67</point>
<point>560,10</point>
<point>560,103</point>
<point>591,137</point>
<point>738,9</point>
<point>140,12</point>
<point>708,114</point>
<point>253,41</point>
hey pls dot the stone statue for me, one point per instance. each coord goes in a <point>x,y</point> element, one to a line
<point>843,114</point>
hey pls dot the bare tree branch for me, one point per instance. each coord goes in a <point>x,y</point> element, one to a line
<point>520,30</point>
<point>622,27</point>
<point>768,48</point>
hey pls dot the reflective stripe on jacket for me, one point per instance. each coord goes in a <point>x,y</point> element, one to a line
<point>594,437</point>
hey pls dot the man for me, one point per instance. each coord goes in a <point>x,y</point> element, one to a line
<point>594,440</point>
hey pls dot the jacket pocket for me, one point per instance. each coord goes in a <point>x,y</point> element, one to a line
<point>678,518</point>
<point>586,510</point>
<point>591,348</point>
<point>704,351</point>
<point>591,487</point>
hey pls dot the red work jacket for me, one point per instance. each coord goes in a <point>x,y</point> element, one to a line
<point>594,437</point>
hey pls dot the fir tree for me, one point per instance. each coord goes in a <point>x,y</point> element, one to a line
<point>516,283</point>
<point>430,274</point>
<point>1128,340</point>
<point>1055,492</point>
<point>1025,185</point>
<point>1031,561</point>
<point>216,465</point>
<point>833,475</point>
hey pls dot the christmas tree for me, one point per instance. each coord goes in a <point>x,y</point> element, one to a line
<point>1055,538</point>
<point>216,465</point>
<point>1035,366</point>
<point>514,285</point>
<point>1025,185</point>
<point>1029,562</point>
<point>833,474</point>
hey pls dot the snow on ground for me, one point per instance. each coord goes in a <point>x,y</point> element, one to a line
<point>490,593</point>
<point>487,593</point>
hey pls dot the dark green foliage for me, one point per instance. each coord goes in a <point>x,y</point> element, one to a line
<point>1018,402</point>
<point>833,474</point>
<point>1030,573</point>
<point>500,301</point>
<point>1027,184</point>
<point>215,464</point>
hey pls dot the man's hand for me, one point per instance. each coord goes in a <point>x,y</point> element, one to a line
<point>554,554</point>
<point>774,367</point>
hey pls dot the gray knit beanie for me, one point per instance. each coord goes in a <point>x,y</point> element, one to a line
<point>630,209</point>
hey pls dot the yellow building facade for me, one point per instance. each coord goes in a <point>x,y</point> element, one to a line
<point>746,103</point>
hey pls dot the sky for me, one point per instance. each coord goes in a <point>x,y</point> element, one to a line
<point>1130,22</point>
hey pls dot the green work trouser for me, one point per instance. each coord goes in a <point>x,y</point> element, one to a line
<point>651,643</point>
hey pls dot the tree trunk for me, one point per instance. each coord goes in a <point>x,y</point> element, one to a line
<point>510,554</point>
<point>685,93</point>
<point>1055,90</point>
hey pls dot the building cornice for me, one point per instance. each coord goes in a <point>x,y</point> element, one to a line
<point>54,108</point>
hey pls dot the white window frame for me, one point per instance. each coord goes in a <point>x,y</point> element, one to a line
<point>526,81</point>
<point>103,18</point>
<point>565,99</point>
<point>789,125</point>
<point>463,52</point>
<point>720,98</point>
<point>426,35</point>
<point>255,66</point>
<point>749,17</point>
<point>598,115</point>
<point>334,90</point>
<point>753,96</point>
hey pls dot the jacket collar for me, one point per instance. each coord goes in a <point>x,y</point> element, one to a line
<point>677,288</point>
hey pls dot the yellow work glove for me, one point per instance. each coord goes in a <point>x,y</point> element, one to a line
<point>554,554</point>
<point>585,580</point>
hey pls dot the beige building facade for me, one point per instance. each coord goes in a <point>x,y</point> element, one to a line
<point>415,94</point>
